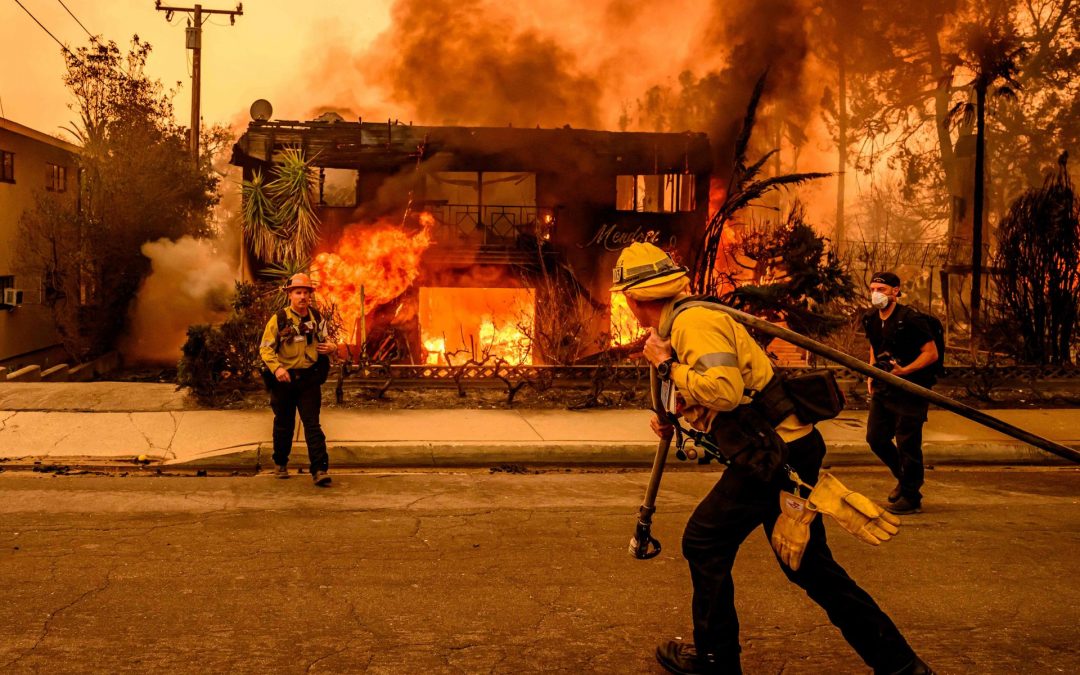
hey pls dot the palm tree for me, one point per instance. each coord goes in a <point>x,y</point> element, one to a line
<point>992,52</point>
<point>744,188</point>
<point>280,223</point>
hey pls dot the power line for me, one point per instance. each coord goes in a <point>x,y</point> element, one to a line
<point>75,17</point>
<point>62,45</point>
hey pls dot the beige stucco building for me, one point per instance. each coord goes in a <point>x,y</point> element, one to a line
<point>32,164</point>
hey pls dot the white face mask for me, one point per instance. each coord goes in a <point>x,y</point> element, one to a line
<point>879,300</point>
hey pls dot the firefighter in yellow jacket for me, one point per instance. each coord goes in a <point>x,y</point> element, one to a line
<point>715,366</point>
<point>296,349</point>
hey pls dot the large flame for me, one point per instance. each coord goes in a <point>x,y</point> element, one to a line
<point>482,324</point>
<point>382,257</point>
<point>624,325</point>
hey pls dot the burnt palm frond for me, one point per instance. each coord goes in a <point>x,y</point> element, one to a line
<point>742,141</point>
<point>743,189</point>
<point>756,190</point>
<point>752,171</point>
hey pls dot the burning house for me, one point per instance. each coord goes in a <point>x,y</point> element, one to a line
<point>439,244</point>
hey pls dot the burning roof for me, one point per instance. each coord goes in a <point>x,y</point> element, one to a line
<point>390,146</point>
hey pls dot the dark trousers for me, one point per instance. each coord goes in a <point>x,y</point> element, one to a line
<point>903,421</point>
<point>305,395</point>
<point>735,507</point>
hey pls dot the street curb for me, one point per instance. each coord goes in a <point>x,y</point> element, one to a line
<point>359,454</point>
<point>347,454</point>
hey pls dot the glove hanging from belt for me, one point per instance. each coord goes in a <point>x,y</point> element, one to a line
<point>791,533</point>
<point>853,511</point>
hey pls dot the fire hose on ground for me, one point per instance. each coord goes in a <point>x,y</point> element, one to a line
<point>644,546</point>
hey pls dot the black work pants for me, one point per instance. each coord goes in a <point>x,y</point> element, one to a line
<point>304,394</point>
<point>903,421</point>
<point>735,507</point>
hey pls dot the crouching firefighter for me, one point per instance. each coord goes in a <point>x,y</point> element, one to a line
<point>722,384</point>
<point>296,349</point>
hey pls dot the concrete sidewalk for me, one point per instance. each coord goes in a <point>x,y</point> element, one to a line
<point>240,440</point>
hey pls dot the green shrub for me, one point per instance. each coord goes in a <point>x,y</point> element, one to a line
<point>220,361</point>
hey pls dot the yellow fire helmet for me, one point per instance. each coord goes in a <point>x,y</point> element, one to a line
<point>642,265</point>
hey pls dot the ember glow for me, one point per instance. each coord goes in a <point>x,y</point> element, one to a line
<point>624,326</point>
<point>485,324</point>
<point>382,257</point>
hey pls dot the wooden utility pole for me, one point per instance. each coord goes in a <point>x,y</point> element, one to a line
<point>194,43</point>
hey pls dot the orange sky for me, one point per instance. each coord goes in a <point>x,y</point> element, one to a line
<point>262,56</point>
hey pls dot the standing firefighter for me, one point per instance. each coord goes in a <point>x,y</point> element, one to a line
<point>902,343</point>
<point>722,376</point>
<point>296,350</point>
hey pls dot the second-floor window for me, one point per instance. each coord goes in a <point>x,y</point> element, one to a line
<point>7,166</point>
<point>657,193</point>
<point>55,178</point>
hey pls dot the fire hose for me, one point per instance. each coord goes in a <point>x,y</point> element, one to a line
<point>644,546</point>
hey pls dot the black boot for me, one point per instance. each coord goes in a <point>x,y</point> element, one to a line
<point>682,659</point>
<point>895,495</point>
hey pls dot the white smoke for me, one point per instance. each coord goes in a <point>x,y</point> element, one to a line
<point>190,282</point>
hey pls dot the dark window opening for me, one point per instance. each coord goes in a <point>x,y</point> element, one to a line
<point>56,178</point>
<point>7,166</point>
<point>657,193</point>
<point>337,187</point>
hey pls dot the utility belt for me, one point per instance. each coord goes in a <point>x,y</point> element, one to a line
<point>318,372</point>
<point>746,437</point>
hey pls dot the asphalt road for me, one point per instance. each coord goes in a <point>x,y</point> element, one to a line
<point>477,572</point>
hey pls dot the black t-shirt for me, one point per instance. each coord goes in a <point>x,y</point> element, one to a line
<point>903,335</point>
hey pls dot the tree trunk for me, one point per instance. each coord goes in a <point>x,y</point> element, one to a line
<point>977,207</point>
<point>942,106</point>
<point>842,121</point>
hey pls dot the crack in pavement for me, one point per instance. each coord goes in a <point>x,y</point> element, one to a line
<point>3,422</point>
<point>176,428</point>
<point>149,443</point>
<point>53,614</point>
<point>332,654</point>
<point>355,616</point>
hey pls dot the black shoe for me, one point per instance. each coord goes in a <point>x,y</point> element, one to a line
<point>281,471</point>
<point>904,506</point>
<point>320,478</point>
<point>682,659</point>
<point>895,495</point>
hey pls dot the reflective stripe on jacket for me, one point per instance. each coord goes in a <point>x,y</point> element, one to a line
<point>718,362</point>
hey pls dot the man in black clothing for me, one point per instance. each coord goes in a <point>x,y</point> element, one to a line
<point>902,343</point>
<point>295,348</point>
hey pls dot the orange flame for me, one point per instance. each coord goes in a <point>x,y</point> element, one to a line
<point>717,194</point>
<point>624,325</point>
<point>383,258</point>
<point>485,324</point>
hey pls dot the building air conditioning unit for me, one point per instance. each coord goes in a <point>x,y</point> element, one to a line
<point>13,297</point>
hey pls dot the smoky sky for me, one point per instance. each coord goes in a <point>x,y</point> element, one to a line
<point>478,63</point>
<point>465,62</point>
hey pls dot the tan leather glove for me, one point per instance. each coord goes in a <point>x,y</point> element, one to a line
<point>855,513</point>
<point>791,533</point>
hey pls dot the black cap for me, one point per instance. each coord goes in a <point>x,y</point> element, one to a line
<point>887,278</point>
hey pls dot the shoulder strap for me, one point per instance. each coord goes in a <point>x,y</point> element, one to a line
<point>707,301</point>
<point>282,319</point>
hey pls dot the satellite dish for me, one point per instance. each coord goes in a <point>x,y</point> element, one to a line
<point>261,110</point>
